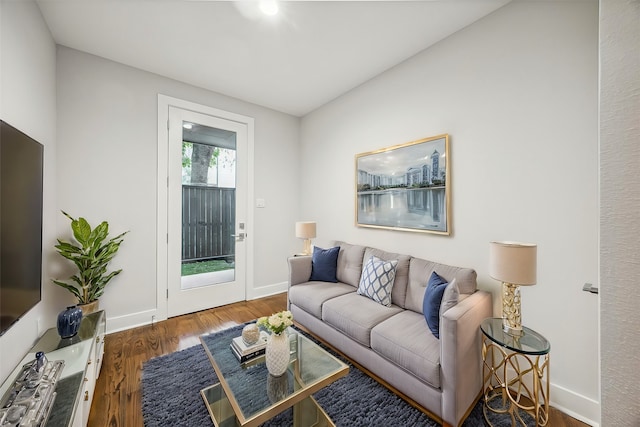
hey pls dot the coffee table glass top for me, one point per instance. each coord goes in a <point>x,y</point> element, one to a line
<point>254,394</point>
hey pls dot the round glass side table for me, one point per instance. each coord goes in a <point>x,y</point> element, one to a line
<point>515,370</point>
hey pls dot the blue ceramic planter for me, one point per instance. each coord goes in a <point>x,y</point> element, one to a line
<point>69,321</point>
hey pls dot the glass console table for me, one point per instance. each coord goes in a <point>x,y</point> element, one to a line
<point>247,395</point>
<point>514,368</point>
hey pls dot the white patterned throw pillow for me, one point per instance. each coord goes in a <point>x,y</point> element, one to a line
<point>450,297</point>
<point>377,279</point>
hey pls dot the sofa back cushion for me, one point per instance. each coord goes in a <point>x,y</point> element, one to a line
<point>399,292</point>
<point>349,263</point>
<point>419,272</point>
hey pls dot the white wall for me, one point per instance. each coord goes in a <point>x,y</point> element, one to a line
<point>107,162</point>
<point>518,94</point>
<point>27,101</point>
<point>619,206</point>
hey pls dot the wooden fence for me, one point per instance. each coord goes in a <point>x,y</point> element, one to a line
<point>208,222</point>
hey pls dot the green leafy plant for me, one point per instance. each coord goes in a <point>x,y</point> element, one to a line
<point>91,259</point>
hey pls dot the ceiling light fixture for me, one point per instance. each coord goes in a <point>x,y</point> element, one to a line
<point>269,7</point>
<point>187,125</point>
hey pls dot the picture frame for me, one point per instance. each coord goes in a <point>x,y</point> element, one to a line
<point>405,187</point>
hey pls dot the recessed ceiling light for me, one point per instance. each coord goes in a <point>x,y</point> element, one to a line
<point>187,125</point>
<point>269,7</point>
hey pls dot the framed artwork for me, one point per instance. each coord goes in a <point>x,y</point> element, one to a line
<point>405,187</point>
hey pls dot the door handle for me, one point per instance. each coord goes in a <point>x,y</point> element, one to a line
<point>239,236</point>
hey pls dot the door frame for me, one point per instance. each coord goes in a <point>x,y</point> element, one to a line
<point>162,247</point>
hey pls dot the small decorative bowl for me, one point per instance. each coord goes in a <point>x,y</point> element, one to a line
<point>250,334</point>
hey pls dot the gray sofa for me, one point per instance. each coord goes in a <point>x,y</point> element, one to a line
<point>442,375</point>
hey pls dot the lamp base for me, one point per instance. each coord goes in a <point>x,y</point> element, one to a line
<point>306,249</point>
<point>511,316</point>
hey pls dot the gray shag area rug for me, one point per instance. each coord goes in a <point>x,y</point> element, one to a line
<point>171,397</point>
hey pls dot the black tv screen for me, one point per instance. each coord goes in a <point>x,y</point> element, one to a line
<point>21,160</point>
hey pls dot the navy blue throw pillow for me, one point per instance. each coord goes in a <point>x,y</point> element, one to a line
<point>324,264</point>
<point>432,301</point>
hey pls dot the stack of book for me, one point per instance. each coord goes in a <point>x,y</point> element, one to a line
<point>244,352</point>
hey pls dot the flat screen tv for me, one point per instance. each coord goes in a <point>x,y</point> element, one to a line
<point>21,160</point>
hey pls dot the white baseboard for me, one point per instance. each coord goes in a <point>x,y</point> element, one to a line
<point>575,405</point>
<point>266,291</point>
<point>129,321</point>
<point>146,317</point>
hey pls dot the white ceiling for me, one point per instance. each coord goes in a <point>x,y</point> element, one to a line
<point>294,62</point>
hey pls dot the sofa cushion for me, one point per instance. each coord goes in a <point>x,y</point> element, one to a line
<point>377,280</point>
<point>349,263</point>
<point>311,295</point>
<point>450,297</point>
<point>432,301</point>
<point>355,315</point>
<point>405,340</point>
<point>402,273</point>
<point>419,272</point>
<point>324,263</point>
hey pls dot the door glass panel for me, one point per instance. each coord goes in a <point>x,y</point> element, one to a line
<point>208,205</point>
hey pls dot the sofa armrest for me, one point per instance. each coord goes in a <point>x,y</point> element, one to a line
<point>299,270</point>
<point>461,354</point>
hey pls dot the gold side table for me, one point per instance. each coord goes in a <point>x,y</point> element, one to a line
<point>516,375</point>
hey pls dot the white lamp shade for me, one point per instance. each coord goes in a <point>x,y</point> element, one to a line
<point>305,229</point>
<point>513,262</point>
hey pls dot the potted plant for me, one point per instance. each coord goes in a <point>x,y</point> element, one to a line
<point>91,258</point>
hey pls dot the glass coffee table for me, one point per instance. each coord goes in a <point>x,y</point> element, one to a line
<point>247,395</point>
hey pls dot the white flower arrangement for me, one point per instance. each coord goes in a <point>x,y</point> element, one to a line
<point>278,322</point>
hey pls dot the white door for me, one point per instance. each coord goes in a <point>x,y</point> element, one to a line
<point>206,211</point>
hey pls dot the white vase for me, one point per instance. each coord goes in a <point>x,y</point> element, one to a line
<point>277,354</point>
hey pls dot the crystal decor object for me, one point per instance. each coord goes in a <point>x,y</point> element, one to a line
<point>28,401</point>
<point>250,334</point>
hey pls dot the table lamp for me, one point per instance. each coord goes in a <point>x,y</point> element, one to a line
<point>306,230</point>
<point>514,264</point>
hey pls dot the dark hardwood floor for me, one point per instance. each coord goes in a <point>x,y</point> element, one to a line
<point>117,401</point>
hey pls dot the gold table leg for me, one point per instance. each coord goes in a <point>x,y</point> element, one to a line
<point>515,384</point>
<point>307,413</point>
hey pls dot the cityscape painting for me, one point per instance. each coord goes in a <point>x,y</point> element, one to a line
<point>405,187</point>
